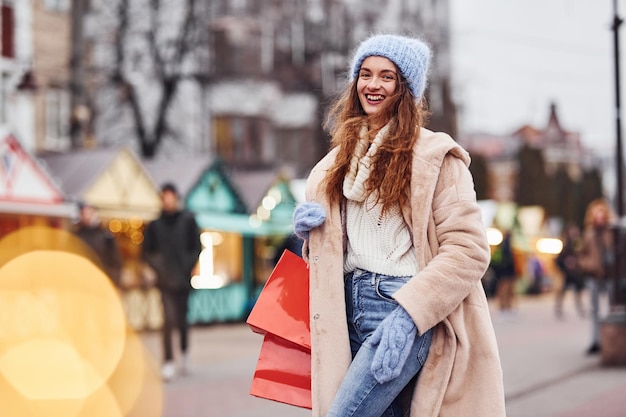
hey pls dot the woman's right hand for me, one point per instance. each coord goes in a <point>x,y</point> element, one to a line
<point>306,217</point>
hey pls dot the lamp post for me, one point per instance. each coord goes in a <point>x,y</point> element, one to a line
<point>618,301</point>
<point>613,327</point>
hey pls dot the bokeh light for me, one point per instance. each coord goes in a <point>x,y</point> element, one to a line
<point>550,246</point>
<point>66,349</point>
<point>494,236</point>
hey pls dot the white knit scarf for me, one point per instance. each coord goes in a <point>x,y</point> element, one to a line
<point>354,182</point>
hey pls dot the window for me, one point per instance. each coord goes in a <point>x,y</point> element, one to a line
<point>57,119</point>
<point>57,5</point>
<point>243,140</point>
<point>240,51</point>
<point>7,23</point>
<point>237,6</point>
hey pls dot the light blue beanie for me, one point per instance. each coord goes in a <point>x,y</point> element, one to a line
<point>410,55</point>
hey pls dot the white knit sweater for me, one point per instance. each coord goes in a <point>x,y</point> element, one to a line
<point>376,243</point>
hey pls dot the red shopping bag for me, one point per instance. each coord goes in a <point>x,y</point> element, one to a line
<point>283,372</point>
<point>283,305</point>
<point>281,313</point>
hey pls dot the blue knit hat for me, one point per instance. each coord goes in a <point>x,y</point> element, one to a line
<point>410,55</point>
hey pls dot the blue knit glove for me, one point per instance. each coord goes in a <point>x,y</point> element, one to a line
<point>393,340</point>
<point>307,216</point>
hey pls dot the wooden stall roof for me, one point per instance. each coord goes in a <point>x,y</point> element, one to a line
<point>26,187</point>
<point>113,180</point>
<point>230,199</point>
<point>183,171</point>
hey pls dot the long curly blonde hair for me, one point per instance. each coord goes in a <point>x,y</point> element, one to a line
<point>390,170</point>
<point>595,206</point>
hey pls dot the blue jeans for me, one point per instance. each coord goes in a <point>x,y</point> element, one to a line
<point>596,287</point>
<point>368,302</point>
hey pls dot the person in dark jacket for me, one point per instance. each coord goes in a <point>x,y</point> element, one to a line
<point>503,265</point>
<point>291,243</point>
<point>89,229</point>
<point>567,263</point>
<point>171,248</point>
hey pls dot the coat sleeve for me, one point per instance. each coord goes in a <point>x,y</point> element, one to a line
<point>462,257</point>
<point>587,262</point>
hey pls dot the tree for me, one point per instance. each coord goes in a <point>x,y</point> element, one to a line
<point>532,181</point>
<point>591,188</point>
<point>564,196</point>
<point>156,64</point>
<point>480,172</point>
<point>149,56</point>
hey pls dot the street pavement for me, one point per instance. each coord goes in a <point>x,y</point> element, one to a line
<point>546,370</point>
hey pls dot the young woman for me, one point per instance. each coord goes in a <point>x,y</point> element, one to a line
<point>596,260</point>
<point>396,248</point>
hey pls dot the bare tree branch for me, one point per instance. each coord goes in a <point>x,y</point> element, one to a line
<point>151,57</point>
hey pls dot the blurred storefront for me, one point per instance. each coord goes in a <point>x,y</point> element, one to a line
<point>29,194</point>
<point>115,182</point>
<point>244,216</point>
<point>535,241</point>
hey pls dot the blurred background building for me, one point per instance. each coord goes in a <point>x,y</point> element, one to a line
<point>35,72</point>
<point>102,100</point>
<point>247,81</point>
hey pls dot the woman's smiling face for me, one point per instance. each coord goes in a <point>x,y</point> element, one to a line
<point>378,80</point>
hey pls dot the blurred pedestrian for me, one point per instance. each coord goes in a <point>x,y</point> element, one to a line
<point>503,266</point>
<point>567,262</point>
<point>103,243</point>
<point>291,243</point>
<point>596,261</point>
<point>537,275</point>
<point>396,249</point>
<point>171,248</point>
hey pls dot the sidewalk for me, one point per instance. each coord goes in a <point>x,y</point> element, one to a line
<point>223,359</point>
<point>546,371</point>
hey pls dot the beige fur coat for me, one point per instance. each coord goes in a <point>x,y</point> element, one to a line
<point>462,376</point>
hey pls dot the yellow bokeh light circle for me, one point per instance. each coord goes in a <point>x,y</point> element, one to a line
<point>59,312</point>
<point>66,348</point>
<point>31,238</point>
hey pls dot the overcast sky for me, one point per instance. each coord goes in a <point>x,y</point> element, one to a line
<point>512,58</point>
